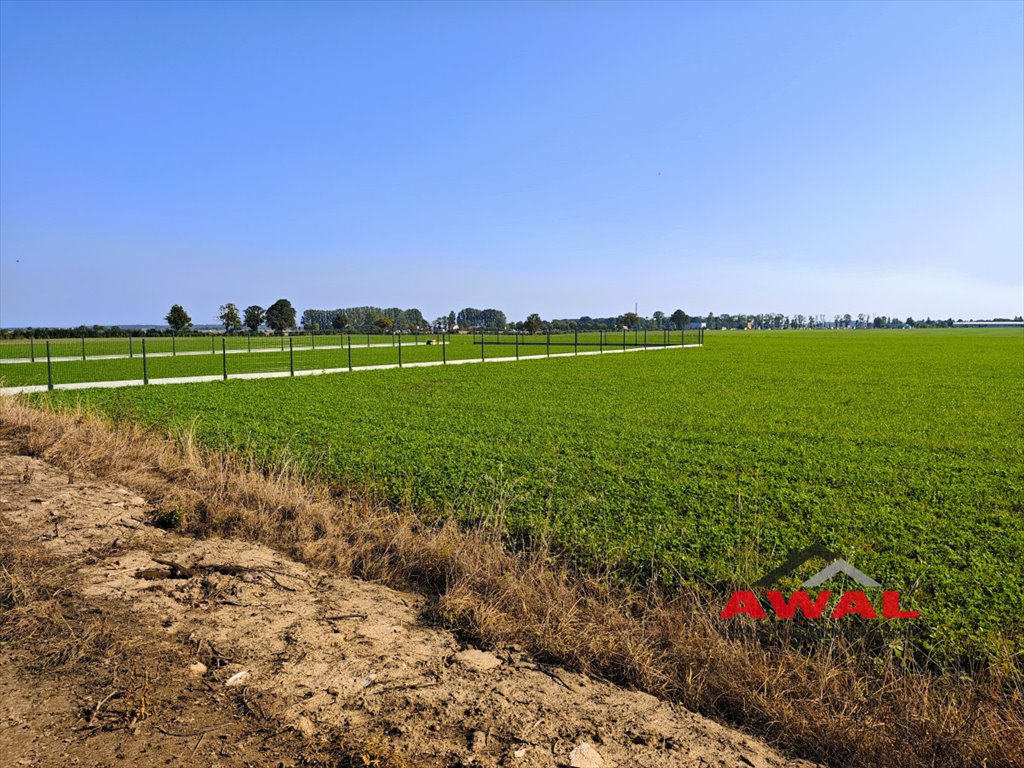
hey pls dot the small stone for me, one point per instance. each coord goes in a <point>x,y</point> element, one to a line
<point>237,679</point>
<point>520,752</point>
<point>585,756</point>
<point>138,501</point>
<point>480,661</point>
<point>197,670</point>
<point>477,741</point>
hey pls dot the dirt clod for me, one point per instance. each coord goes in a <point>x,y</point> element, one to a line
<point>585,756</point>
<point>480,661</point>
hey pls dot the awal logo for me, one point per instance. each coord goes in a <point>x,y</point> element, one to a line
<point>853,602</point>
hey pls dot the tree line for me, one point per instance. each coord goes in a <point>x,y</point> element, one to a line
<point>280,317</point>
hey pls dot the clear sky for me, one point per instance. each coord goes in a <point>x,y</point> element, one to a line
<point>566,159</point>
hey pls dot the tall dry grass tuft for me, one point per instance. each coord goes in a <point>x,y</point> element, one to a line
<point>835,704</point>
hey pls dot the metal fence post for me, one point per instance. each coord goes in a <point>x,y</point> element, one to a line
<point>131,346</point>
<point>600,342</point>
<point>312,340</point>
<point>444,349</point>
<point>145,369</point>
<point>83,347</point>
<point>399,350</point>
<point>174,344</point>
<point>682,337</point>
<point>224,355</point>
<point>481,346</point>
<point>248,342</point>
<point>213,347</point>
<point>49,368</point>
<point>549,344</point>
<point>350,352</point>
<point>623,339</point>
<point>517,345</point>
<point>32,347</point>
<point>291,356</point>
<point>645,338</point>
<point>575,341</point>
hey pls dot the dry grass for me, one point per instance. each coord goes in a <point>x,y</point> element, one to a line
<point>45,623</point>
<point>835,704</point>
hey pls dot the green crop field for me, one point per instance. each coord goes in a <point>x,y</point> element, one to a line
<point>902,450</point>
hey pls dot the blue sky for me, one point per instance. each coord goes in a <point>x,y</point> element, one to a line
<point>560,158</point>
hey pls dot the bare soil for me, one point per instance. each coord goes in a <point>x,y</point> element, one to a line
<point>296,662</point>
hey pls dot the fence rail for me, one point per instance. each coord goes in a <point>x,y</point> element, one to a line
<point>157,360</point>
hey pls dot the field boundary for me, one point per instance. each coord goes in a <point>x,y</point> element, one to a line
<point>33,388</point>
<point>194,353</point>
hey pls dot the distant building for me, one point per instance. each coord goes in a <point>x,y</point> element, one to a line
<point>989,324</point>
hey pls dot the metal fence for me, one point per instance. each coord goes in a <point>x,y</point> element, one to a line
<point>609,340</point>
<point>40,364</point>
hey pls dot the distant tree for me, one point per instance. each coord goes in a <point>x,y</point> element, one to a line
<point>470,317</point>
<point>229,317</point>
<point>451,320</point>
<point>384,323</point>
<point>630,319</point>
<point>340,321</point>
<point>493,319</point>
<point>659,316</point>
<point>281,315</point>
<point>679,318</point>
<point>178,318</point>
<point>411,320</point>
<point>254,317</point>
<point>533,323</point>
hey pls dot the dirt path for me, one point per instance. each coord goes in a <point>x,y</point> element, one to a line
<point>326,654</point>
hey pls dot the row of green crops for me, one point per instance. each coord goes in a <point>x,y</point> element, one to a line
<point>279,354</point>
<point>902,450</point>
